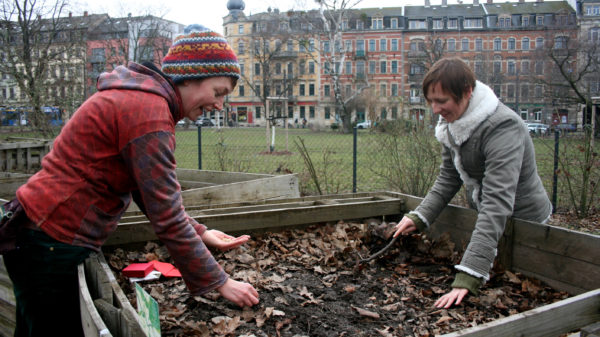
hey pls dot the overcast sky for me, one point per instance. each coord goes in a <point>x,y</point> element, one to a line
<point>210,13</point>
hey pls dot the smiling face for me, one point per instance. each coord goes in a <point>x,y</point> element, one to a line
<point>442,103</point>
<point>207,94</point>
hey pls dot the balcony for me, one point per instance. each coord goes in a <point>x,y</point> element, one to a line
<point>416,100</point>
<point>283,54</point>
<point>360,54</point>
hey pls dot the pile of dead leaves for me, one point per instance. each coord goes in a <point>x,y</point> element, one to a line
<point>311,285</point>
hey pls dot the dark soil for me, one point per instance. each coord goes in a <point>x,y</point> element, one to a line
<point>310,285</point>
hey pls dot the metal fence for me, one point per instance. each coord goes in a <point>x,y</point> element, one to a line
<point>394,156</point>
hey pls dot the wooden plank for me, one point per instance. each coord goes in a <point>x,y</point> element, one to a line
<point>93,326</point>
<point>558,240</point>
<point>549,320</point>
<point>275,218</point>
<point>218,177</point>
<point>561,268</point>
<point>551,282</point>
<point>257,189</point>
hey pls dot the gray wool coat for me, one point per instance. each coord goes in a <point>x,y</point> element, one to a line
<point>489,150</point>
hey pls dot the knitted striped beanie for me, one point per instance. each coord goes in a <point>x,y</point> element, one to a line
<point>200,53</point>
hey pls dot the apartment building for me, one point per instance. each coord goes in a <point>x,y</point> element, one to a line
<point>384,53</point>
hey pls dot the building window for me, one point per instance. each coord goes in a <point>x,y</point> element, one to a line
<point>326,47</point>
<point>240,29</point>
<point>372,66</point>
<point>465,45</point>
<point>360,45</point>
<point>525,43</point>
<point>311,89</point>
<point>383,114</point>
<point>539,43</point>
<point>383,67</point>
<point>394,44</point>
<point>525,22</point>
<point>417,24</point>
<point>497,66</point>
<point>311,112</point>
<point>382,89</point>
<point>560,42</point>
<point>592,10</point>
<point>510,91</point>
<point>311,67</point>
<point>438,24</point>
<point>452,24</point>
<point>594,34</point>
<point>525,92</point>
<point>539,21</point>
<point>302,67</point>
<point>383,45</point>
<point>257,112</point>
<point>377,23</point>
<point>326,90</point>
<point>451,45</point>
<point>290,69</point>
<point>348,45</point>
<point>525,67</point>
<point>394,89</point>
<point>360,68</point>
<point>539,67</point>
<point>416,69</point>
<point>512,44</point>
<point>256,68</point>
<point>394,112</point>
<point>478,68</point>
<point>478,44</point>
<point>241,48</point>
<point>348,68</point>
<point>498,90</point>
<point>372,45</point>
<point>538,91</point>
<point>394,23</point>
<point>241,90</point>
<point>473,23</point>
<point>497,44</point>
<point>327,111</point>
<point>360,25</point>
<point>348,89</point>
<point>394,67</point>
<point>302,89</point>
<point>302,112</point>
<point>511,67</point>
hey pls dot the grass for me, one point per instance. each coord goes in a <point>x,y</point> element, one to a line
<point>247,149</point>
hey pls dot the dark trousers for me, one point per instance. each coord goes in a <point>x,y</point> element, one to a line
<point>44,276</point>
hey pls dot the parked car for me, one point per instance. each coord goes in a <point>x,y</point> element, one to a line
<point>565,127</point>
<point>364,125</point>
<point>205,121</point>
<point>538,129</point>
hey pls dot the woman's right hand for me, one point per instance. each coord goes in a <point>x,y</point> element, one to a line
<point>405,226</point>
<point>240,293</point>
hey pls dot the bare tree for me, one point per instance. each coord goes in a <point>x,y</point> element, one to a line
<point>38,47</point>
<point>572,80</point>
<point>333,54</point>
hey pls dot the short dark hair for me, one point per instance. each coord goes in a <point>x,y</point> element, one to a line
<point>454,76</point>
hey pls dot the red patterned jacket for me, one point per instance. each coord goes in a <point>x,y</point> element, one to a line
<point>121,141</point>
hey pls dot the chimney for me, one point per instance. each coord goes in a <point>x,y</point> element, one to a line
<point>85,13</point>
<point>427,3</point>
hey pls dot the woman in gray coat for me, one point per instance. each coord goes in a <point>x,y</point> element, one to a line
<point>487,147</point>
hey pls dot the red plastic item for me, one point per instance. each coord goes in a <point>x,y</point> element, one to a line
<point>166,269</point>
<point>138,269</point>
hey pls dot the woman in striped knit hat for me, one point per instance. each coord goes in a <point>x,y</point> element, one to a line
<point>118,147</point>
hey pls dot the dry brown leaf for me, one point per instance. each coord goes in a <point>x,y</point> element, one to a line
<point>366,313</point>
<point>225,325</point>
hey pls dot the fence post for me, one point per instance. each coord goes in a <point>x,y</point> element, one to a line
<point>200,146</point>
<point>555,175</point>
<point>355,131</point>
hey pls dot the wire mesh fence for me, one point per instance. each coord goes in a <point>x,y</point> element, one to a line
<point>393,156</point>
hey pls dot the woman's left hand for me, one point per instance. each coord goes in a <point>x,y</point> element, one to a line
<point>454,297</point>
<point>217,239</point>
